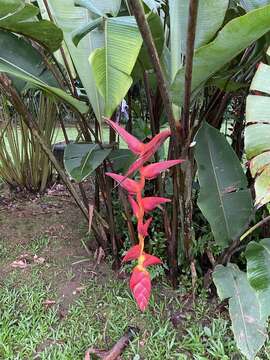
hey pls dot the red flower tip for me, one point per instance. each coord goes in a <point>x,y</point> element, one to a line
<point>153,170</point>
<point>150,203</point>
<point>151,260</point>
<point>156,142</point>
<point>132,254</point>
<point>134,205</point>
<point>149,150</point>
<point>143,227</point>
<point>133,143</point>
<point>140,286</point>
<point>131,186</point>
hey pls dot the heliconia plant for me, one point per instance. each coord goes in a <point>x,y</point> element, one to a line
<point>140,281</point>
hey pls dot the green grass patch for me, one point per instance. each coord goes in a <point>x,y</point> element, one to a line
<point>99,318</point>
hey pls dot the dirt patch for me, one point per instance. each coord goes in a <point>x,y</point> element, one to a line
<point>52,228</point>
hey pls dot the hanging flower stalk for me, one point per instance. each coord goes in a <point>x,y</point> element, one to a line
<point>140,282</point>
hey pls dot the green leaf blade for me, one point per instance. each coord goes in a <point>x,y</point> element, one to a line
<point>248,326</point>
<point>112,66</point>
<point>81,160</point>
<point>235,36</point>
<point>224,198</point>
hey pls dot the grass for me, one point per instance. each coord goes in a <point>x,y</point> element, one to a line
<point>99,317</point>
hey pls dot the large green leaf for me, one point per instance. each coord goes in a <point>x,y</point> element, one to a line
<point>113,64</point>
<point>100,7</point>
<point>23,21</point>
<point>258,272</point>
<point>18,59</point>
<point>121,160</point>
<point>17,51</point>
<point>9,7</point>
<point>69,18</point>
<point>81,160</point>
<point>211,14</point>
<point>253,4</point>
<point>224,198</point>
<point>156,27</point>
<point>257,134</point>
<point>153,5</point>
<point>248,327</point>
<point>236,36</point>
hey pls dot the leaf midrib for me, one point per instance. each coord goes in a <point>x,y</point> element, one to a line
<point>219,193</point>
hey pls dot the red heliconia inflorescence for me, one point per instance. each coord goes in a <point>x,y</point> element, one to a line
<point>140,281</point>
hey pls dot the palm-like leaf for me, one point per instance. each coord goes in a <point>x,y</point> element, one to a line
<point>18,17</point>
<point>235,36</point>
<point>18,59</point>
<point>69,18</point>
<point>257,134</point>
<point>113,64</point>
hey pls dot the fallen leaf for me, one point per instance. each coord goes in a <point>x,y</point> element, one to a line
<point>38,260</point>
<point>21,264</point>
<point>48,303</point>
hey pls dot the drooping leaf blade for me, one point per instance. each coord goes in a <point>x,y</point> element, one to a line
<point>9,7</point>
<point>15,49</point>
<point>206,27</point>
<point>121,160</point>
<point>224,198</point>
<point>234,37</point>
<point>113,64</point>
<point>258,272</point>
<point>18,59</point>
<point>24,22</point>
<point>257,134</point>
<point>249,5</point>
<point>69,17</point>
<point>248,327</point>
<point>100,7</point>
<point>81,160</point>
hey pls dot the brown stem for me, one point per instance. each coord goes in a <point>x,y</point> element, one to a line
<point>63,129</point>
<point>193,11</point>
<point>150,103</point>
<point>84,197</point>
<point>128,216</point>
<point>129,122</point>
<point>172,247</point>
<point>139,14</point>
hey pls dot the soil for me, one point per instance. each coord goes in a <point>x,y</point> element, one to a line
<point>27,221</point>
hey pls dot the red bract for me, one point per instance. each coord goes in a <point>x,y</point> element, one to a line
<point>145,151</point>
<point>131,186</point>
<point>140,285</point>
<point>134,206</point>
<point>132,254</point>
<point>151,260</point>
<point>153,170</point>
<point>150,203</point>
<point>140,282</point>
<point>149,150</point>
<point>133,143</point>
<point>143,227</point>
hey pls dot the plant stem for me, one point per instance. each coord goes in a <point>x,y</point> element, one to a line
<point>256,226</point>
<point>139,14</point>
<point>192,21</point>
<point>138,11</point>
